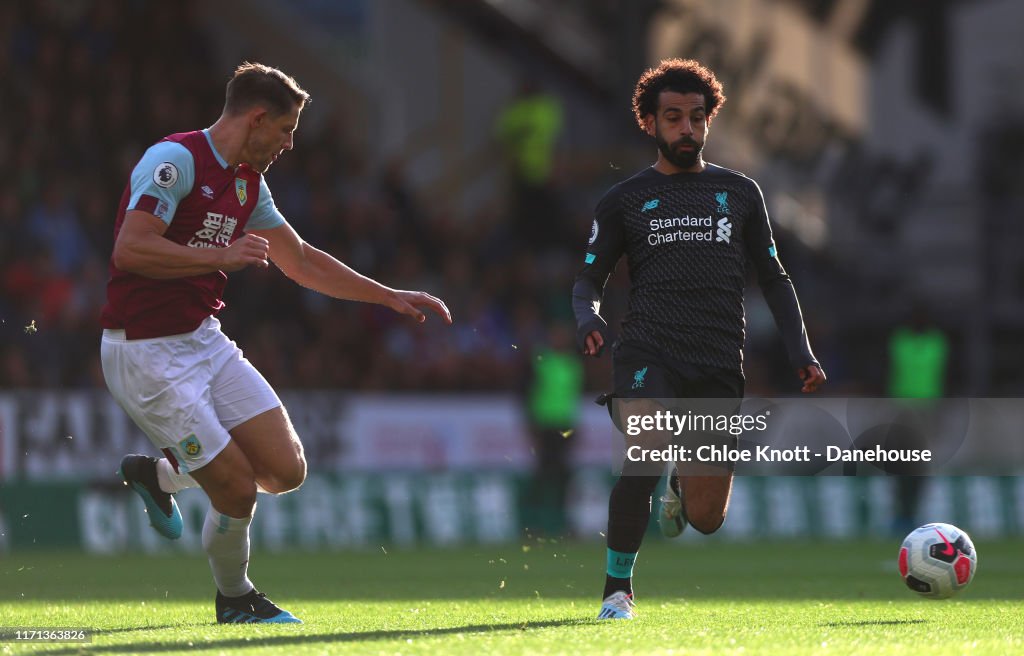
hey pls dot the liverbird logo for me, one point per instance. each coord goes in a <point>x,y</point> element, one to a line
<point>723,201</point>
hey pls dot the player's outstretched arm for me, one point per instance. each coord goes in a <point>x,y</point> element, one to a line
<point>142,249</point>
<point>780,295</point>
<point>319,271</point>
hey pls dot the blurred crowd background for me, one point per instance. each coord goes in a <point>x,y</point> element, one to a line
<point>460,147</point>
<point>889,154</point>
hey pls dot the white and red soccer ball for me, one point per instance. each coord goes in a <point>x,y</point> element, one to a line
<point>937,560</point>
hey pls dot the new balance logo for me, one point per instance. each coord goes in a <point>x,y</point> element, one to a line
<point>724,230</point>
<point>650,205</point>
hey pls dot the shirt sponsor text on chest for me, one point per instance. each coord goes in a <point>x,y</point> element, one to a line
<point>216,232</point>
<point>681,228</point>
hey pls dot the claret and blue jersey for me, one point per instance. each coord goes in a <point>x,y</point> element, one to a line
<point>166,176</point>
<point>185,182</point>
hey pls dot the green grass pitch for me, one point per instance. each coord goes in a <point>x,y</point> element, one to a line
<point>539,597</point>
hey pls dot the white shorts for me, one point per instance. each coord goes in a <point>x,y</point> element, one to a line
<point>185,391</point>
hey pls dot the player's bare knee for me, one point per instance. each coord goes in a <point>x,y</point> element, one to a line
<point>284,478</point>
<point>707,521</point>
<point>298,475</point>
<point>292,475</point>
<point>291,479</point>
<point>237,498</point>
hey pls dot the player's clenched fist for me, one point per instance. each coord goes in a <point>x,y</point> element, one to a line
<point>249,249</point>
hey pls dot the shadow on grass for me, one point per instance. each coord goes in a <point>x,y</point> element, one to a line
<point>756,572</point>
<point>840,625</point>
<point>133,629</point>
<point>286,640</point>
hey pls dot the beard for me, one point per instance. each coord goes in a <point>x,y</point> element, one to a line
<point>264,164</point>
<point>680,158</point>
<point>261,154</point>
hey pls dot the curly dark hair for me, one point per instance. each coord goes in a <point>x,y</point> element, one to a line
<point>681,76</point>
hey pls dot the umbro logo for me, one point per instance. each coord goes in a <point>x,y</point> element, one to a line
<point>650,205</point>
<point>207,192</point>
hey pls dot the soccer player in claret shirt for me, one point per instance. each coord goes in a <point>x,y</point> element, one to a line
<point>196,208</point>
<point>688,229</point>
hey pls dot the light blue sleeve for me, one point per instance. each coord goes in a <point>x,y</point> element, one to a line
<point>265,216</point>
<point>166,172</point>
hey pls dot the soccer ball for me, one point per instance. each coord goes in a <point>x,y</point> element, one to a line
<point>937,560</point>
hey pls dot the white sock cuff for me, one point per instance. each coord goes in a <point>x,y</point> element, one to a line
<point>223,523</point>
<point>171,481</point>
